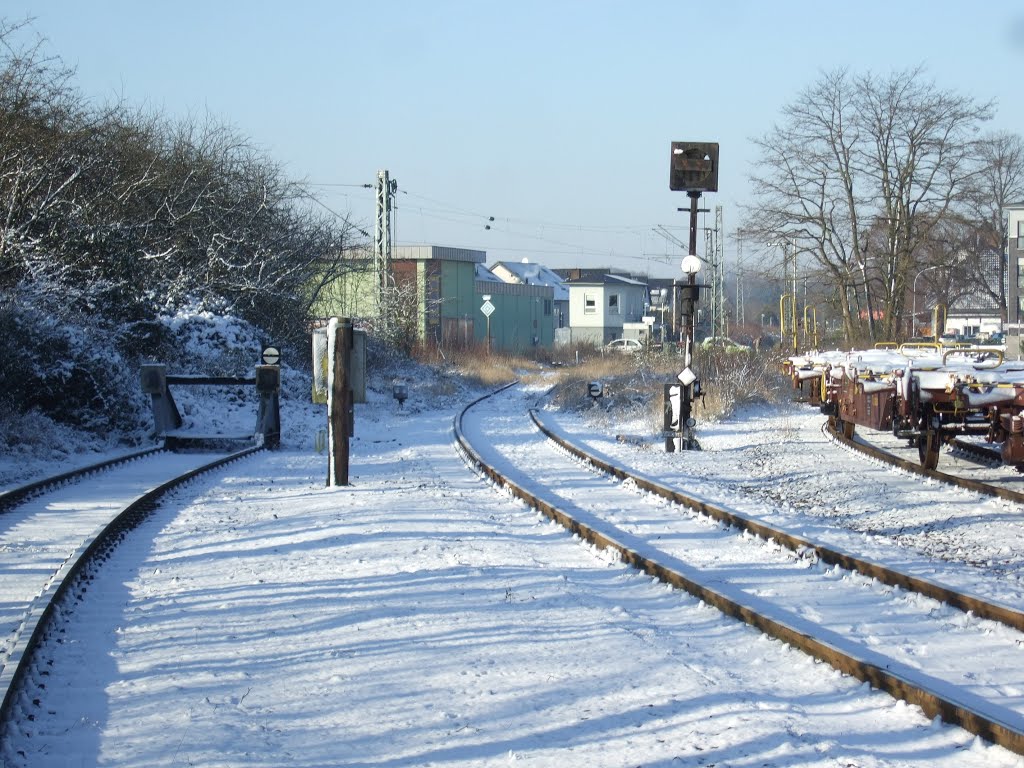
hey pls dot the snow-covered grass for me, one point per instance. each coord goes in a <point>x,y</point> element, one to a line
<point>634,385</point>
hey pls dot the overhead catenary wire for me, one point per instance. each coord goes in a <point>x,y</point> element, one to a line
<point>524,228</point>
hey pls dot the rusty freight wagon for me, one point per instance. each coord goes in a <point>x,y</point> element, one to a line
<point>924,393</point>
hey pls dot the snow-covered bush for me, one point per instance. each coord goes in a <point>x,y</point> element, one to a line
<point>731,379</point>
<point>634,384</point>
<point>201,338</point>
<point>71,373</point>
<point>85,375</point>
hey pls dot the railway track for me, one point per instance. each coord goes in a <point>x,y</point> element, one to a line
<point>14,496</point>
<point>871,445</point>
<point>54,532</point>
<point>790,590</point>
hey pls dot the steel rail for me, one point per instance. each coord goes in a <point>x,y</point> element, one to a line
<point>71,582</point>
<point>14,496</point>
<point>981,607</point>
<point>959,711</point>
<point>960,482</point>
<point>980,453</point>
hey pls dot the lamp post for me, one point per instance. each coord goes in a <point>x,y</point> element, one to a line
<point>913,315</point>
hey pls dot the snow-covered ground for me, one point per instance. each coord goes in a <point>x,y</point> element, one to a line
<point>774,463</point>
<point>421,617</point>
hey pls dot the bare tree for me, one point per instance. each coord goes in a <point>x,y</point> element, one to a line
<point>982,226</point>
<point>40,153</point>
<point>857,176</point>
<point>121,214</point>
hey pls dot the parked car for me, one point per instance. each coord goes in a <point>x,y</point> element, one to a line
<point>724,344</point>
<point>950,339</point>
<point>624,346</point>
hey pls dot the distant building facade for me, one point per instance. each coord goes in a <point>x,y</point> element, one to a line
<point>607,307</point>
<point>441,292</point>
<point>526,272</point>
<point>975,312</point>
<point>1014,278</point>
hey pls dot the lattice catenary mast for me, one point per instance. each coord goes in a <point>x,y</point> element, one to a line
<point>382,237</point>
<point>719,324</point>
<point>741,318</point>
<point>722,320</point>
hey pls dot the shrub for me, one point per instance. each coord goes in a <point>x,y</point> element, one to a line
<point>733,379</point>
<point>71,373</point>
<point>634,384</point>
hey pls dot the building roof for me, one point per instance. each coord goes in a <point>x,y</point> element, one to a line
<point>585,274</point>
<point>974,303</point>
<point>438,252</point>
<point>607,279</point>
<point>529,273</point>
<point>484,274</point>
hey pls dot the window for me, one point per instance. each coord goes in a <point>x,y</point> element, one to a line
<point>613,303</point>
<point>589,304</point>
<point>1020,235</point>
<point>547,307</point>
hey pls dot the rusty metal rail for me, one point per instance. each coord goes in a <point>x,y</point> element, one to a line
<point>910,466</point>
<point>71,579</point>
<point>14,496</point>
<point>962,709</point>
<point>980,607</point>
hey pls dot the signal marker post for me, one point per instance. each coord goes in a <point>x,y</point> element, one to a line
<point>693,169</point>
<point>488,310</point>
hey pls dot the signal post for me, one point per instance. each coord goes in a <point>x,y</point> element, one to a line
<point>693,169</point>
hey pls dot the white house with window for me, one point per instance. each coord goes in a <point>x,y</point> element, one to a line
<point>606,308</point>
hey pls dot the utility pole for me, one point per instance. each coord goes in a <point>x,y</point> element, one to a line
<point>741,318</point>
<point>791,288</point>
<point>711,254</point>
<point>339,400</point>
<point>721,318</point>
<point>382,238</point>
<point>713,247</point>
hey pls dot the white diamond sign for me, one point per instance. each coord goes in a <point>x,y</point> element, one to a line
<point>687,377</point>
<point>487,309</point>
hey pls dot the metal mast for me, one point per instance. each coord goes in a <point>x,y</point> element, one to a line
<point>719,325</point>
<point>741,318</point>
<point>721,313</point>
<point>709,251</point>
<point>382,237</point>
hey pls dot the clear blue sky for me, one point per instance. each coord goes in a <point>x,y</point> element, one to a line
<point>554,117</point>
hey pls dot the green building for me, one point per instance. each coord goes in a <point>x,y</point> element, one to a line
<point>523,315</point>
<point>436,293</point>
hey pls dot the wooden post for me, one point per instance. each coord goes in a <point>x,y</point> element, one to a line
<point>339,403</point>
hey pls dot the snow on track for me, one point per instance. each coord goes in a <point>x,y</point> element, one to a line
<point>776,466</point>
<point>904,633</point>
<point>39,534</point>
<point>419,617</point>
